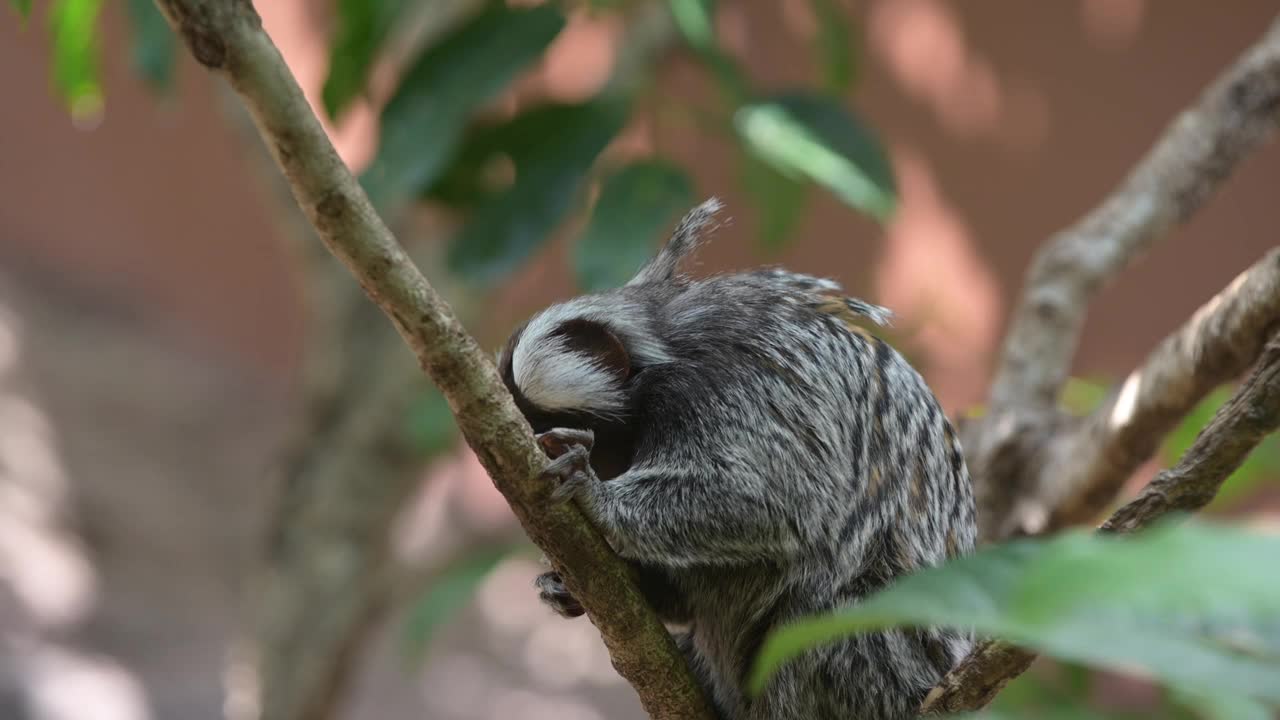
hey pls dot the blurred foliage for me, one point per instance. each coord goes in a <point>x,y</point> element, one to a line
<point>73,27</point>
<point>837,46</point>
<point>636,203</point>
<point>426,117</point>
<point>363,25</point>
<point>430,424</point>
<point>153,44</point>
<point>816,138</point>
<point>1189,603</point>
<point>447,594</point>
<point>552,147</point>
<point>22,6</point>
<point>439,145</point>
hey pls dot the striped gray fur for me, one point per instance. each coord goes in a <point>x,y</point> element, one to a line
<point>759,457</point>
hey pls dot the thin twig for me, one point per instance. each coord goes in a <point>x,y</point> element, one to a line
<point>1237,428</point>
<point>226,37</point>
<point>1218,451</point>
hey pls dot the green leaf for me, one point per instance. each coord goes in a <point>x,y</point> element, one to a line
<point>635,205</point>
<point>695,19</point>
<point>448,594</point>
<point>362,27</point>
<point>153,44</point>
<point>1222,706</point>
<point>430,425</point>
<point>553,147</point>
<point>780,200</point>
<point>836,44</point>
<point>1263,463</point>
<point>425,119</point>
<point>73,26</point>
<point>23,7</point>
<point>1189,603</point>
<point>815,137</point>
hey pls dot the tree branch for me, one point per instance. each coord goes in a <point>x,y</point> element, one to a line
<point>1218,451</point>
<point>1087,466</point>
<point>1238,426</point>
<point>1197,152</point>
<point>1193,157</point>
<point>226,37</point>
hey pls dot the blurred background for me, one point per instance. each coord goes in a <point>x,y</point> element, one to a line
<point>210,445</point>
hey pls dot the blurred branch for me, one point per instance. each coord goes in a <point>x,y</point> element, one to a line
<point>226,37</point>
<point>1218,451</point>
<point>1190,161</point>
<point>1089,465</point>
<point>1237,428</point>
<point>349,463</point>
<point>976,681</point>
<point>1196,153</point>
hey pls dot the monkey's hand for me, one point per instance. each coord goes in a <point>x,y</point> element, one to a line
<point>551,590</point>
<point>570,467</point>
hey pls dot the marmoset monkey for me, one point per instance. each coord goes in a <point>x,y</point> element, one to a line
<point>759,457</point>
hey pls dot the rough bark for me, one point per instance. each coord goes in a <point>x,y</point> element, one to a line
<point>227,38</point>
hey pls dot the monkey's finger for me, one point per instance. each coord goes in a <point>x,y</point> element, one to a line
<point>570,488</point>
<point>574,460</point>
<point>558,441</point>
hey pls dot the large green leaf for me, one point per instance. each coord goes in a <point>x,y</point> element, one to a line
<point>552,148</point>
<point>73,26</point>
<point>362,26</point>
<point>153,44</point>
<point>424,120</point>
<point>634,206</point>
<point>1195,605</point>
<point>449,593</point>
<point>815,137</point>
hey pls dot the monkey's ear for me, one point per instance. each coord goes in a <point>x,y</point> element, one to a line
<point>593,339</point>
<point>688,234</point>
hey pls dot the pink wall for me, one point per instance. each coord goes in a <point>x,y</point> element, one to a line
<point>1006,119</point>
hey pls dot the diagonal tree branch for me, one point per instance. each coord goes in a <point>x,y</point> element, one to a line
<point>226,37</point>
<point>1218,451</point>
<point>1238,426</point>
<point>1087,466</point>
<point>1193,157</point>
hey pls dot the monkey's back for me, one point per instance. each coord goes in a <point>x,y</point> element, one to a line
<point>773,380</point>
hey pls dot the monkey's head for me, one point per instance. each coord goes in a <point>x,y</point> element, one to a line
<point>574,365</point>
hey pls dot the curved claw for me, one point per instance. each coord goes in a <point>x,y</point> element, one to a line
<point>552,591</point>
